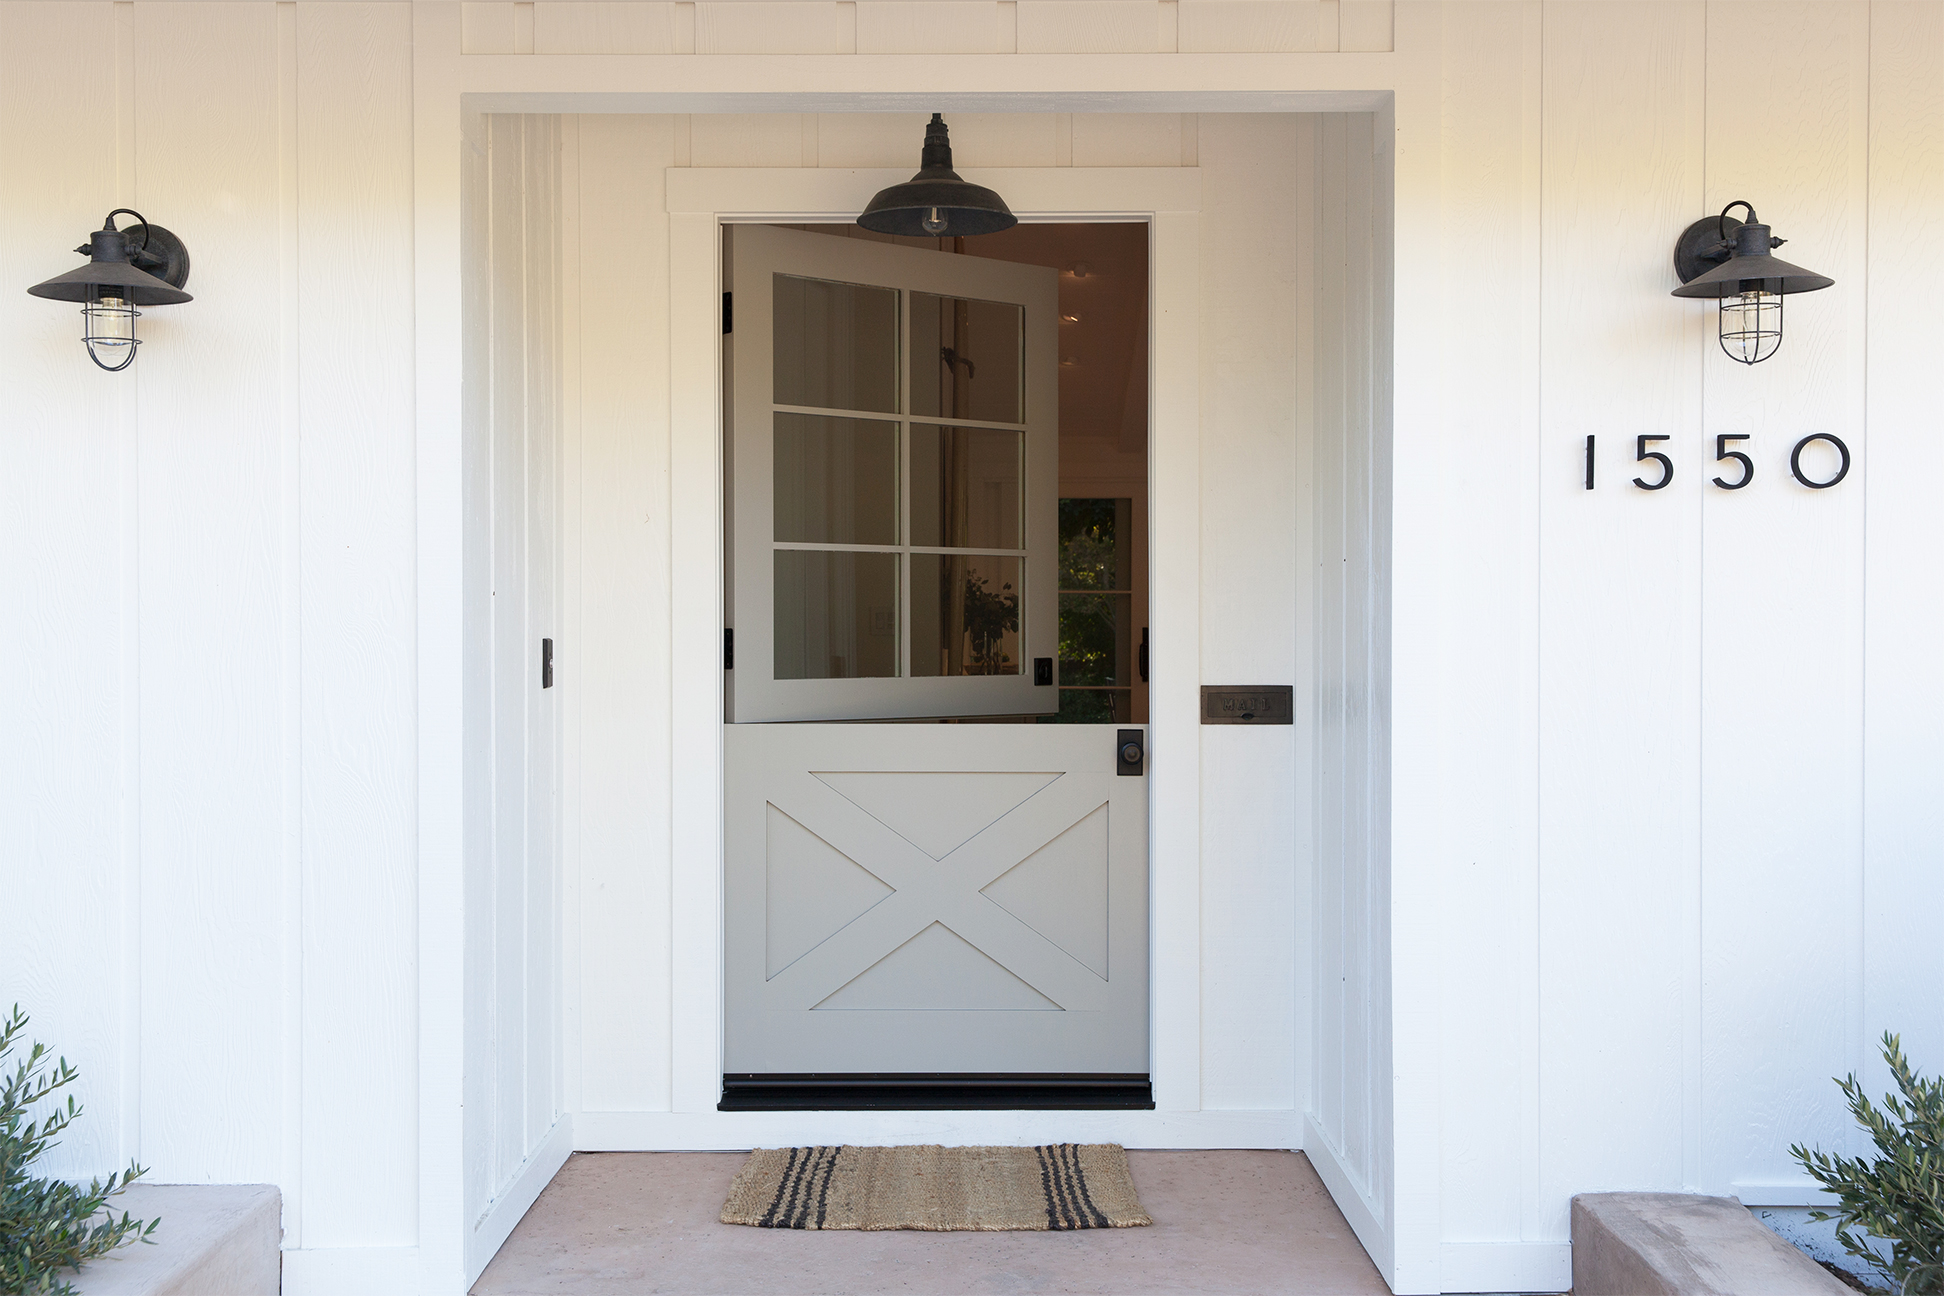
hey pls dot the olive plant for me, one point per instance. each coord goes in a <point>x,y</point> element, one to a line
<point>48,1225</point>
<point>1899,1195</point>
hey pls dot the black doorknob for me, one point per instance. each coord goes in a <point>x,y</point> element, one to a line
<point>1131,753</point>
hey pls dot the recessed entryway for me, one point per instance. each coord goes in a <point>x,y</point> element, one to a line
<point>645,1222</point>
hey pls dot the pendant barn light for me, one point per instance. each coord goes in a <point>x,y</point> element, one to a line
<point>1731,262</point>
<point>935,203</point>
<point>116,280</point>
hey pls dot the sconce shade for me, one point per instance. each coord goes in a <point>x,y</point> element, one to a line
<point>935,203</point>
<point>108,272</point>
<point>1751,262</point>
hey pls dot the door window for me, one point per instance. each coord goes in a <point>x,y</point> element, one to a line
<point>894,458</point>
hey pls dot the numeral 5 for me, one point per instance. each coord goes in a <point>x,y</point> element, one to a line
<point>1723,453</point>
<point>1642,454</point>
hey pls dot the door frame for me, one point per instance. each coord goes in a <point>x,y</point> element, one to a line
<point>1168,200</point>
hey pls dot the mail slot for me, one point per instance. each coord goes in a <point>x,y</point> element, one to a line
<point>1251,704</point>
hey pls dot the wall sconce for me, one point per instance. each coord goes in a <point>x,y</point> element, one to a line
<point>935,203</point>
<point>116,280</point>
<point>1731,262</point>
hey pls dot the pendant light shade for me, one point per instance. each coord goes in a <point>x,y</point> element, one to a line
<point>935,203</point>
<point>1732,262</point>
<point>117,279</point>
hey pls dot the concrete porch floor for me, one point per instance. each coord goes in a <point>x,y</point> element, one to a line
<point>638,1222</point>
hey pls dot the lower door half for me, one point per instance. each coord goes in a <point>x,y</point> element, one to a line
<point>926,915</point>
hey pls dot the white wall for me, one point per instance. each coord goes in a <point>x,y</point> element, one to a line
<point>209,804</point>
<point>512,957</point>
<point>1681,792</point>
<point>1349,1135</point>
<point>1664,810</point>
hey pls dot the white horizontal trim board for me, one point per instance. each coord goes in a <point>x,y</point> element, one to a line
<point>1505,1266</point>
<point>1800,1192</point>
<point>736,1131</point>
<point>336,1271</point>
<point>1044,193</point>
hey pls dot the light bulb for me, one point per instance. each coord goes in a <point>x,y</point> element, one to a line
<point>935,222</point>
<point>1071,317</point>
<point>1751,323</point>
<point>108,329</point>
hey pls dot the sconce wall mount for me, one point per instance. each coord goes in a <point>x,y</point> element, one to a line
<point>1734,263</point>
<point>143,265</point>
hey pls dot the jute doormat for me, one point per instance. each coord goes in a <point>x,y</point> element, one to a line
<point>939,1189</point>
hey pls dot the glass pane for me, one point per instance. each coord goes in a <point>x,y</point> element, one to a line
<point>967,359</point>
<point>965,487</point>
<point>836,480</point>
<point>964,615</point>
<point>1096,639</point>
<point>836,345</point>
<point>1091,531</point>
<point>836,615</point>
<point>1093,706</point>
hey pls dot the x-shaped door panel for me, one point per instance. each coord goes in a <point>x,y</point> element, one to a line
<point>947,891</point>
<point>933,898</point>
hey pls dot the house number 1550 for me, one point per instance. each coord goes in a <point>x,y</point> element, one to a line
<point>1661,475</point>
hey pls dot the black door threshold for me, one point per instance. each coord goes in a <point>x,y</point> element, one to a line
<point>934,1091</point>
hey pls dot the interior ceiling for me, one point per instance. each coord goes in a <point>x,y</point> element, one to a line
<point>1103,324</point>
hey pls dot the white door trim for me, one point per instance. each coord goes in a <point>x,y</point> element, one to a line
<point>699,201</point>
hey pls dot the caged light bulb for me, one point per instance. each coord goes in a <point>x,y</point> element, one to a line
<point>108,329</point>
<point>1751,323</point>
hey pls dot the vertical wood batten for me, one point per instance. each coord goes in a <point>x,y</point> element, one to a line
<point>1781,650</point>
<point>67,793</point>
<point>1328,1096</point>
<point>538,708</point>
<point>1619,760</point>
<point>446,185</point>
<point>213,738</point>
<point>695,597</point>
<point>354,277</point>
<point>290,432</point>
<point>617,673</point>
<point>1253,872</point>
<point>1489,516</point>
<point>1903,610</point>
<point>1174,475</point>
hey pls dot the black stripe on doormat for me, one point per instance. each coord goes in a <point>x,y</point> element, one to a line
<point>935,1091</point>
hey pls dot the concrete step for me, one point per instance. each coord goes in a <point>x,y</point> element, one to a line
<point>1683,1244</point>
<point>214,1240</point>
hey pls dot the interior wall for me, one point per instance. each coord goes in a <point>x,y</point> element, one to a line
<point>513,1003</point>
<point>1254,1054</point>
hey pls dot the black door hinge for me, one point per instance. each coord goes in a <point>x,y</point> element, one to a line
<point>729,649</point>
<point>728,312</point>
<point>1144,673</point>
<point>546,663</point>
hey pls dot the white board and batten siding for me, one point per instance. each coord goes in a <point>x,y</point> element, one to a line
<point>1663,823</point>
<point>210,725</point>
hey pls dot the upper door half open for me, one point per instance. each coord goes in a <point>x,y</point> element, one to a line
<point>893,469</point>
